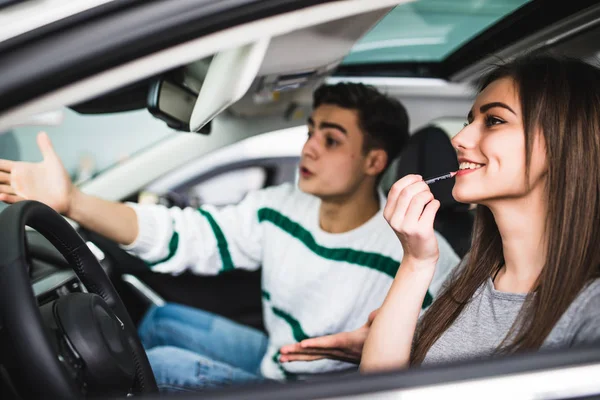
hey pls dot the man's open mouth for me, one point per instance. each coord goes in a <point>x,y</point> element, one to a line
<point>305,172</point>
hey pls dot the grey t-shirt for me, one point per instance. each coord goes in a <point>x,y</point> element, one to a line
<point>486,320</point>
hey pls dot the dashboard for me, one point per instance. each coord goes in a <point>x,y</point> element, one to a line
<point>50,274</point>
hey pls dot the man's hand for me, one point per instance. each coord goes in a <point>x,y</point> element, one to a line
<point>47,181</point>
<point>345,346</point>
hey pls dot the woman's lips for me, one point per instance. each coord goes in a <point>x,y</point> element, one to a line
<point>462,172</point>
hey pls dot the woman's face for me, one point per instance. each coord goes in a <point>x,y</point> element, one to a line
<point>491,149</point>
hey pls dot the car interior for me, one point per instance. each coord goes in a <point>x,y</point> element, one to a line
<point>221,115</point>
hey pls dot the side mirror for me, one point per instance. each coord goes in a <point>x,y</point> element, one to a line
<point>173,103</point>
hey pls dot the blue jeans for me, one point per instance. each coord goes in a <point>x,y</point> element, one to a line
<point>190,349</point>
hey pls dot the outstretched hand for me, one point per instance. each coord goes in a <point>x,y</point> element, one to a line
<point>344,346</point>
<point>46,181</point>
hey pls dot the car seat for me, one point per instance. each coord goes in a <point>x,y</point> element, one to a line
<point>429,153</point>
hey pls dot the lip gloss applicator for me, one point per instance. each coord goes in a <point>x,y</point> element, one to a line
<point>441,177</point>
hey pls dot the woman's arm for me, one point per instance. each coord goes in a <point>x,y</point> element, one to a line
<point>410,211</point>
<point>390,338</point>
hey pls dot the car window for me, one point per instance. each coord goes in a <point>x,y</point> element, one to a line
<point>228,188</point>
<point>225,175</point>
<point>87,144</point>
<point>229,185</point>
<point>428,30</point>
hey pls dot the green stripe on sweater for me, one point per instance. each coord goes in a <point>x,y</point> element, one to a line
<point>288,375</point>
<point>173,243</point>
<point>378,262</point>
<point>427,300</point>
<point>297,330</point>
<point>221,241</point>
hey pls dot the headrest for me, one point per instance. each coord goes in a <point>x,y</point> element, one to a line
<point>430,153</point>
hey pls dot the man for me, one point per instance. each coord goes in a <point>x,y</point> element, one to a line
<point>327,254</point>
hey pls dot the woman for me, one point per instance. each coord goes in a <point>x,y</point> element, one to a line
<point>530,159</point>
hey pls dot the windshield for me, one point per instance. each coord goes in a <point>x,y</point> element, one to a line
<point>87,144</point>
<point>428,30</point>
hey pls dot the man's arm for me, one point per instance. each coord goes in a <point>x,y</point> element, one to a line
<point>48,182</point>
<point>204,241</point>
<point>115,221</point>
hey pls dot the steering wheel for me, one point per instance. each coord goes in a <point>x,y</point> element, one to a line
<point>80,344</point>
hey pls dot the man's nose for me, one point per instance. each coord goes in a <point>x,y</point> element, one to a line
<point>311,148</point>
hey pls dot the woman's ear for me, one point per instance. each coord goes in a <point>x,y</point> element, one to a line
<point>375,162</point>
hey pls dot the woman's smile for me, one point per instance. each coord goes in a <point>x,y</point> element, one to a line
<point>466,167</point>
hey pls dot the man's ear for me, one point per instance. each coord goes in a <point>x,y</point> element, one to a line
<point>376,161</point>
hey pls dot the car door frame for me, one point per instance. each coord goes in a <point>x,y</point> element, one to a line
<point>30,86</point>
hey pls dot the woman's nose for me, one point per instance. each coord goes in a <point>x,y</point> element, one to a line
<point>465,138</point>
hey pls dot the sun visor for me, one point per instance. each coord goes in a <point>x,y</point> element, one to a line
<point>229,77</point>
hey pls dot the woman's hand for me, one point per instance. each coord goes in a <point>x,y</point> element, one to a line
<point>345,346</point>
<point>410,211</point>
<point>46,181</point>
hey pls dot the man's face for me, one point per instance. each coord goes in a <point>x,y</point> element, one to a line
<point>332,163</point>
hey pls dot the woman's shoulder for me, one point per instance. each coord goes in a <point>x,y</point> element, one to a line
<point>582,318</point>
<point>588,300</point>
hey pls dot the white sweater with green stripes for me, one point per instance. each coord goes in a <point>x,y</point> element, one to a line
<point>314,283</point>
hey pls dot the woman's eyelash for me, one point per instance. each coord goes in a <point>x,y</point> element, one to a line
<point>490,120</point>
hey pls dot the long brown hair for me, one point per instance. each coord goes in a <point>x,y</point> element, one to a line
<point>560,96</point>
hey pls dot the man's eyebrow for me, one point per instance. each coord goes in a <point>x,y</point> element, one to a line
<point>332,125</point>
<point>487,106</point>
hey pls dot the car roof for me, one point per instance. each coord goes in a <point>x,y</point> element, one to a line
<point>111,42</point>
<point>22,16</point>
<point>519,26</point>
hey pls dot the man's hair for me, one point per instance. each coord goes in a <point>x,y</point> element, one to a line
<point>382,119</point>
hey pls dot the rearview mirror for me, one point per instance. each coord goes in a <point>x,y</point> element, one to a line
<point>173,103</point>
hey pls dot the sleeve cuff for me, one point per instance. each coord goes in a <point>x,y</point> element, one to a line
<point>148,227</point>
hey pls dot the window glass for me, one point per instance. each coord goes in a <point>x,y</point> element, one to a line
<point>87,144</point>
<point>428,30</point>
<point>228,188</point>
